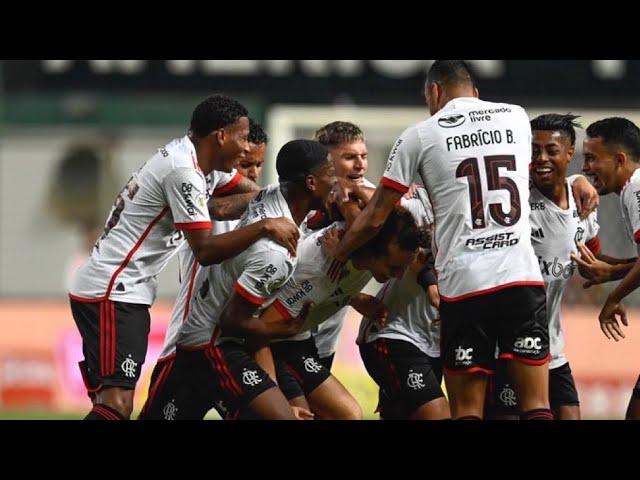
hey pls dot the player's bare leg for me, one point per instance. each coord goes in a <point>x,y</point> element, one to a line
<point>437,409</point>
<point>531,384</point>
<point>466,394</point>
<point>117,398</point>
<point>271,405</point>
<point>567,412</point>
<point>331,401</point>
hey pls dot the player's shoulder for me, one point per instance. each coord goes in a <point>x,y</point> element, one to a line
<point>179,153</point>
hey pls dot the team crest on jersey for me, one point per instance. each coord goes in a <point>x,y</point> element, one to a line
<point>251,377</point>
<point>415,380</point>
<point>169,411</point>
<point>201,201</point>
<point>451,121</point>
<point>579,235</point>
<point>508,396</point>
<point>129,367</point>
<point>310,365</point>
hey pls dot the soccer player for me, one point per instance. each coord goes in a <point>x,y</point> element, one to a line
<point>248,168</point>
<point>385,256</point>
<point>612,158</point>
<point>473,158</point>
<point>403,356</point>
<point>214,363</point>
<point>163,202</point>
<point>348,148</point>
<point>556,232</point>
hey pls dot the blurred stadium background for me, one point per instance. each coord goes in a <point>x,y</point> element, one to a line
<point>72,132</point>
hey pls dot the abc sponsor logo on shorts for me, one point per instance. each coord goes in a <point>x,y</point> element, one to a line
<point>527,345</point>
<point>464,356</point>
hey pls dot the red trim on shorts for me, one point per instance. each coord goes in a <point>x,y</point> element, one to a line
<point>190,348</point>
<point>229,186</point>
<point>133,250</point>
<point>85,380</point>
<point>102,334</point>
<point>295,374</point>
<point>525,283</point>
<point>282,310</point>
<point>192,279</point>
<point>85,300</point>
<point>526,361</point>
<point>398,187</point>
<point>596,248</point>
<point>171,356</point>
<point>193,226</point>
<point>250,297</point>
<point>114,335</point>
<point>468,371</point>
<point>162,377</point>
<point>227,382</point>
<point>380,345</point>
<point>105,413</point>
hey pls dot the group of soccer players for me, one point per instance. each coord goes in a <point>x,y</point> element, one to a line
<point>474,231</point>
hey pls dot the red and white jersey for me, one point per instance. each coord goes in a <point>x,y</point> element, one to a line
<point>256,274</point>
<point>311,284</point>
<point>217,183</point>
<point>410,315</point>
<point>554,235</point>
<point>473,158</point>
<point>630,204</point>
<point>167,195</point>
<point>326,334</point>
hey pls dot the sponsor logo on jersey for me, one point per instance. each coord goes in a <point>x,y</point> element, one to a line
<point>498,240</point>
<point>485,115</point>
<point>392,155</point>
<point>451,121</point>
<point>185,191</point>
<point>537,233</point>
<point>269,272</point>
<point>556,268</point>
<point>537,205</point>
<point>305,288</point>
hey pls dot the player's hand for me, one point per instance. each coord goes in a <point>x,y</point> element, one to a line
<point>608,321</point>
<point>283,231</point>
<point>330,239</point>
<point>341,191</point>
<point>411,192</point>
<point>586,197</point>
<point>302,413</point>
<point>594,270</point>
<point>371,307</point>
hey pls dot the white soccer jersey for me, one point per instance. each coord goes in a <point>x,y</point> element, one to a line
<point>166,195</point>
<point>554,235</point>
<point>217,183</point>
<point>256,274</point>
<point>310,284</point>
<point>473,158</point>
<point>630,204</point>
<point>410,315</point>
<point>326,334</point>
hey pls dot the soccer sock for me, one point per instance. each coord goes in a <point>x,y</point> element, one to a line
<point>103,412</point>
<point>537,414</point>
<point>468,417</point>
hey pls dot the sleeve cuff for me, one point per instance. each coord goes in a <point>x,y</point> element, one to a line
<point>398,187</point>
<point>247,295</point>
<point>228,186</point>
<point>193,226</point>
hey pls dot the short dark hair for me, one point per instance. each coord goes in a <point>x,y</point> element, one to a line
<point>215,112</point>
<point>449,72</point>
<point>400,227</point>
<point>617,131</point>
<point>335,133</point>
<point>257,135</point>
<point>298,158</point>
<point>555,122</point>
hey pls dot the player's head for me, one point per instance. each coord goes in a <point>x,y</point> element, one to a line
<point>553,145</point>
<point>347,146</point>
<point>391,251</point>
<point>446,80</point>
<point>306,166</point>
<point>611,152</point>
<point>251,165</point>
<point>223,124</point>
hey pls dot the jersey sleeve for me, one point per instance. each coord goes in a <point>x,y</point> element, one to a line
<point>186,193</point>
<point>631,196</point>
<point>263,276</point>
<point>225,182</point>
<point>403,161</point>
<point>591,233</point>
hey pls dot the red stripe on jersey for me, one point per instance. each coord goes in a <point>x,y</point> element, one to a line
<point>526,283</point>
<point>636,236</point>
<point>229,186</point>
<point>387,182</point>
<point>596,248</point>
<point>282,310</point>
<point>133,250</point>
<point>193,226</point>
<point>250,297</point>
<point>467,371</point>
<point>192,279</point>
<point>526,361</point>
<point>315,219</point>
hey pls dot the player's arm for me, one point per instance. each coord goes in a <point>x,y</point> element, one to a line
<point>371,307</point>
<point>230,200</point>
<point>584,194</point>
<point>210,249</point>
